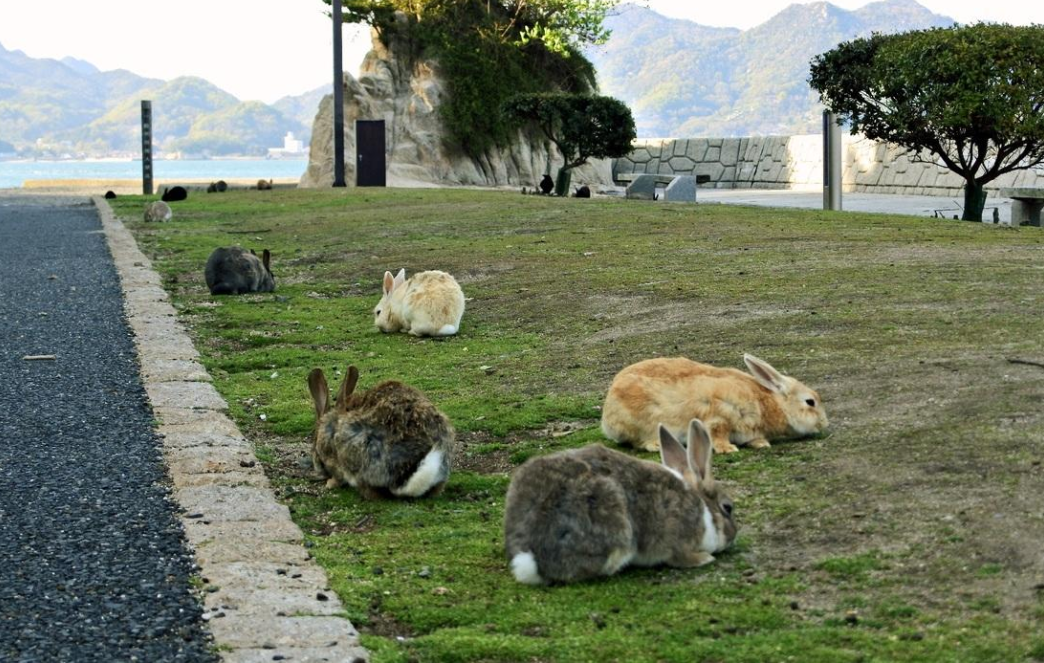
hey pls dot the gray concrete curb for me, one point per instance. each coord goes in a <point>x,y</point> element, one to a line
<point>265,598</point>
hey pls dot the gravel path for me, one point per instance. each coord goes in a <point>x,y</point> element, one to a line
<point>93,565</point>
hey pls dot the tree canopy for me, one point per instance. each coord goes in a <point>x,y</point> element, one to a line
<point>489,50</point>
<point>971,96</point>
<point>582,126</point>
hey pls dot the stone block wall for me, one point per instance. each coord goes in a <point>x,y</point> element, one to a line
<point>796,162</point>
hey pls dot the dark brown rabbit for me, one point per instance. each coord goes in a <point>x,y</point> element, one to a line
<point>235,271</point>
<point>388,441</point>
<point>584,513</point>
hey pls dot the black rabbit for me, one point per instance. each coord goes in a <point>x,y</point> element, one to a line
<point>174,194</point>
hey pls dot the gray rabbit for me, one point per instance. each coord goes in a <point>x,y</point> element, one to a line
<point>388,441</point>
<point>235,271</point>
<point>584,513</point>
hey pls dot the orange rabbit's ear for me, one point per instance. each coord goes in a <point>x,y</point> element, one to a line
<point>766,376</point>
<point>389,283</point>
<point>320,392</point>
<point>347,387</point>
<point>700,450</point>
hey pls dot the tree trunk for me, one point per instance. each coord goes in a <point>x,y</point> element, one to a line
<point>974,201</point>
<point>565,176</point>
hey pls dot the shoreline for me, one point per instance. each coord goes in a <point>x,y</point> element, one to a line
<point>131,187</point>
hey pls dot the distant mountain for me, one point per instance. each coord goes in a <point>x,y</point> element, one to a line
<point>683,79</point>
<point>51,107</point>
<point>679,78</point>
<point>303,107</point>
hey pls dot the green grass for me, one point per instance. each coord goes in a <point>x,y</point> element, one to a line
<point>910,532</point>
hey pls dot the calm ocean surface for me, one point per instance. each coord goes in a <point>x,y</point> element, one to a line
<point>15,173</point>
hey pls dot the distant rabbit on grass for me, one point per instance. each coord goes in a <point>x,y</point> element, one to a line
<point>174,194</point>
<point>158,212</point>
<point>583,513</point>
<point>426,304</point>
<point>390,441</point>
<point>235,271</point>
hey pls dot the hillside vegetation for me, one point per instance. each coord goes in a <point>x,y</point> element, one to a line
<point>69,107</point>
<point>682,79</point>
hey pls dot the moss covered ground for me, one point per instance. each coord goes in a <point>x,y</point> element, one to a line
<point>912,531</point>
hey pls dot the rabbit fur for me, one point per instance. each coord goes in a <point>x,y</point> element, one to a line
<point>426,304</point>
<point>158,212</point>
<point>738,408</point>
<point>235,271</point>
<point>584,513</point>
<point>390,440</point>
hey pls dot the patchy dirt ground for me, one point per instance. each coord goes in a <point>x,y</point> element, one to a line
<point>897,536</point>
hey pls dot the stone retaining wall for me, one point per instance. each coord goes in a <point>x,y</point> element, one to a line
<point>796,162</point>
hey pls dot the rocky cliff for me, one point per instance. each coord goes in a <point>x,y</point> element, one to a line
<point>406,96</point>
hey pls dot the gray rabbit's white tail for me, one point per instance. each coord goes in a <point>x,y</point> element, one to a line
<point>429,473</point>
<point>524,567</point>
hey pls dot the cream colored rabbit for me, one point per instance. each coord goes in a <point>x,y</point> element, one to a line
<point>426,304</point>
<point>738,408</point>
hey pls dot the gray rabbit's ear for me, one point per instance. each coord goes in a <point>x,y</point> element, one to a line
<point>672,453</point>
<point>766,376</point>
<point>347,387</point>
<point>266,260</point>
<point>389,283</point>
<point>320,392</point>
<point>700,450</point>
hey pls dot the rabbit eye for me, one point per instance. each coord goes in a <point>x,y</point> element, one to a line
<point>811,402</point>
<point>726,508</point>
<point>377,312</point>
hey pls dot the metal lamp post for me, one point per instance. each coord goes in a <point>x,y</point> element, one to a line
<point>338,97</point>
<point>831,162</point>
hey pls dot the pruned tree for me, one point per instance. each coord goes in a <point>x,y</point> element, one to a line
<point>967,97</point>
<point>582,126</point>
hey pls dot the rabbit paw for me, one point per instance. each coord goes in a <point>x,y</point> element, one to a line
<point>759,443</point>
<point>649,445</point>
<point>692,559</point>
<point>333,482</point>
<point>725,447</point>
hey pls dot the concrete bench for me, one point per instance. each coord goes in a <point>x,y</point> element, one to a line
<point>1026,204</point>
<point>627,178</point>
<point>642,186</point>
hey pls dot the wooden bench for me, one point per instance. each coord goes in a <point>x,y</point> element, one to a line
<point>1026,204</point>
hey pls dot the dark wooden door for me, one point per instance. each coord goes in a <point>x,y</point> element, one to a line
<point>369,153</point>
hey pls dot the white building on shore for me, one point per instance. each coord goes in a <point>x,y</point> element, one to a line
<point>292,148</point>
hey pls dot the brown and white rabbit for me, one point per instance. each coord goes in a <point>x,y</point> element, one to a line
<point>738,408</point>
<point>590,512</point>
<point>426,304</point>
<point>390,440</point>
<point>158,212</point>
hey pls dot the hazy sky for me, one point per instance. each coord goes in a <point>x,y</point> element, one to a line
<point>265,49</point>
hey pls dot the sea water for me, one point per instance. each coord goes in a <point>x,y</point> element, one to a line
<point>13,174</point>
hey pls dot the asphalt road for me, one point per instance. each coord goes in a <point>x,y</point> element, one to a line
<point>93,565</point>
